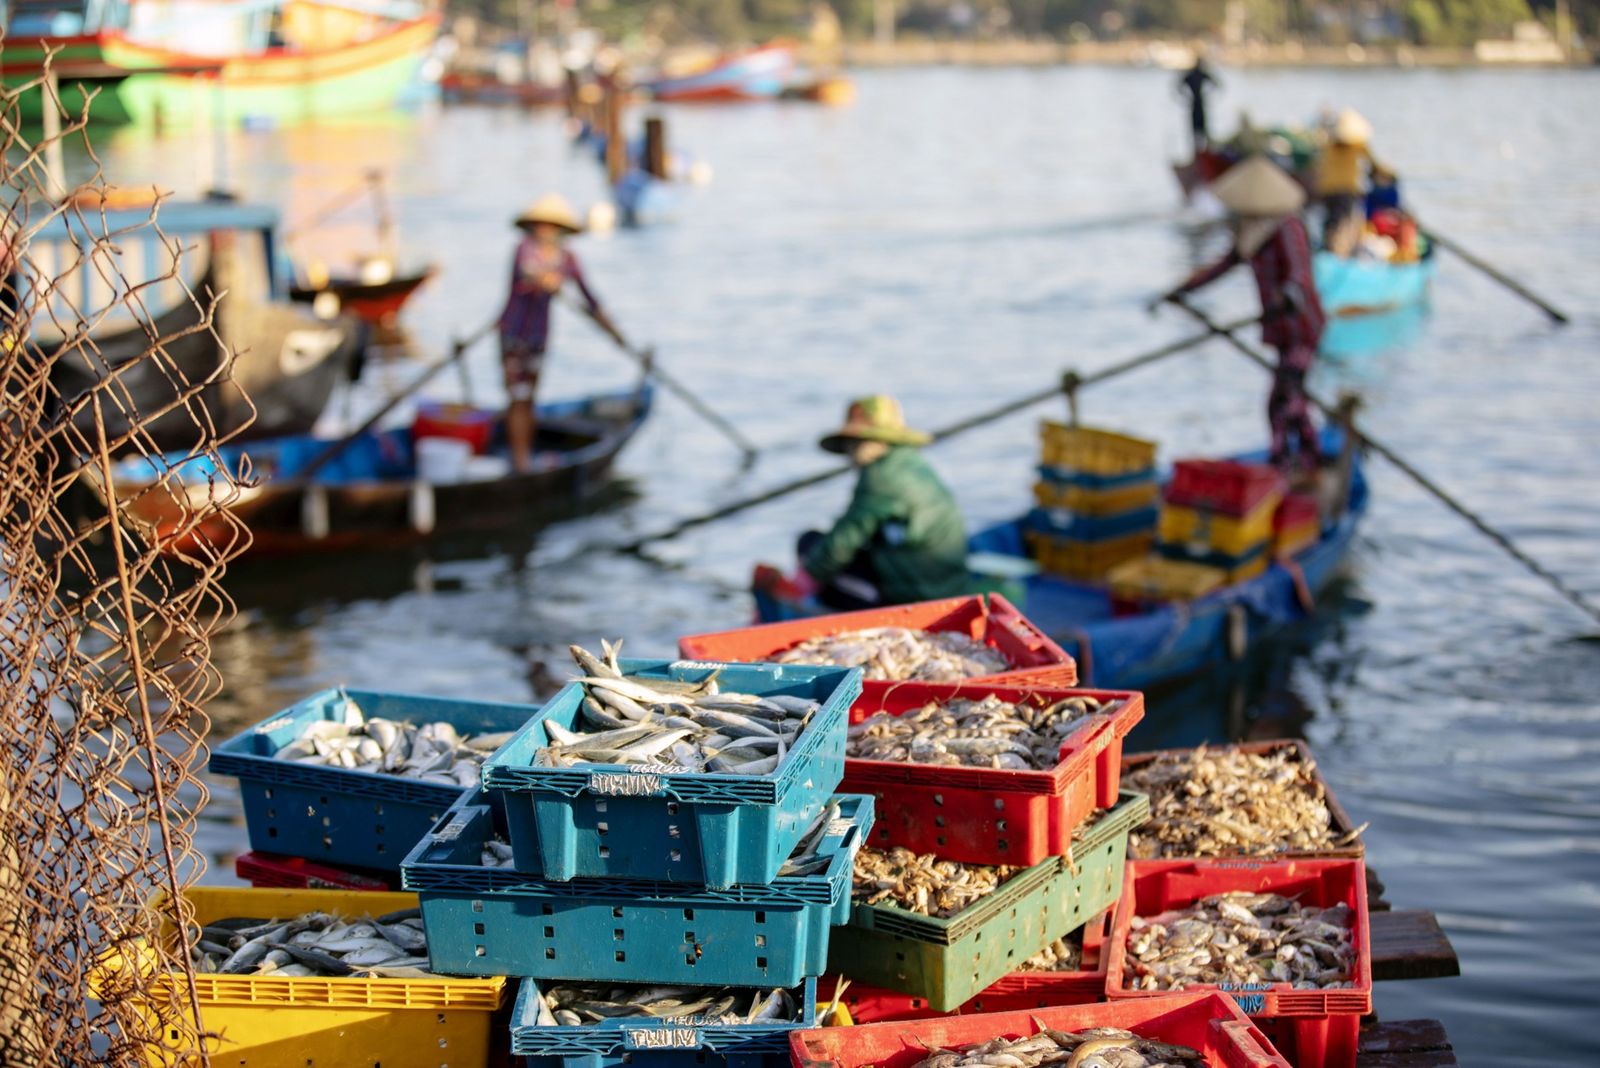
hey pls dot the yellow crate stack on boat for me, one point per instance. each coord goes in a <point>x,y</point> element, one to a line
<point>1096,497</point>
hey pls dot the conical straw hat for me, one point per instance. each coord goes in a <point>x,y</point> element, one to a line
<point>1352,128</point>
<point>551,209</point>
<point>1259,186</point>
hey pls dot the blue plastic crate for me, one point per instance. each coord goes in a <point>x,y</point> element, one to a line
<point>353,819</point>
<point>1060,522</point>
<point>650,1043</point>
<point>1226,561</point>
<point>654,822</point>
<point>498,921</point>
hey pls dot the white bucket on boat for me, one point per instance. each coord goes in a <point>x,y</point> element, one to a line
<point>442,460</point>
<point>486,468</point>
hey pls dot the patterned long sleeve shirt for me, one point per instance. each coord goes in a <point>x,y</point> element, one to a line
<point>526,318</point>
<point>1282,266</point>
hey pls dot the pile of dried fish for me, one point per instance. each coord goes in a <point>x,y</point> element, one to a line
<point>1206,803</point>
<point>924,883</point>
<point>1062,955</point>
<point>1095,1047</point>
<point>392,946</point>
<point>690,725</point>
<point>989,733</point>
<point>433,752</point>
<point>577,1004</point>
<point>900,654</point>
<point>1242,938</point>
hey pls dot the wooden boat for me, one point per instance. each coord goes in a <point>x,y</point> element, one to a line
<point>758,74</point>
<point>835,90</point>
<point>471,87</point>
<point>1359,287</point>
<point>279,355</point>
<point>378,303</point>
<point>278,60</point>
<point>370,496</point>
<point>1169,641</point>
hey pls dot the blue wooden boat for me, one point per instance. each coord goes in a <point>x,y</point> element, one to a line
<point>759,74</point>
<point>370,495</point>
<point>1351,336</point>
<point>1169,641</point>
<point>1355,286</point>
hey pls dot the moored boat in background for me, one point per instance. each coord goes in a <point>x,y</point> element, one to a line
<point>758,74</point>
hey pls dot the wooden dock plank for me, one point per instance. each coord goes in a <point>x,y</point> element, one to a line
<point>1405,1044</point>
<point>1410,944</point>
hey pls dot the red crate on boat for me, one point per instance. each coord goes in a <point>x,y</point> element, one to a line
<point>1318,1027</point>
<point>987,815</point>
<point>295,873</point>
<point>475,426</point>
<point>1225,486</point>
<point>1296,525</point>
<point>988,618</point>
<point>1207,1022</point>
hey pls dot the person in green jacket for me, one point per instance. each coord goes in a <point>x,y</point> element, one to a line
<point>902,538</point>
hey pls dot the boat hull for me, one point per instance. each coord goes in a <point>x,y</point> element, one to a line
<point>758,75</point>
<point>378,304</point>
<point>137,83</point>
<point>1355,287</point>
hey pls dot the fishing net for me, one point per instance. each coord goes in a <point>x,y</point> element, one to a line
<point>105,617</point>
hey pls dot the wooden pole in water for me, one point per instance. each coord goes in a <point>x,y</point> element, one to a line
<point>616,140</point>
<point>655,147</point>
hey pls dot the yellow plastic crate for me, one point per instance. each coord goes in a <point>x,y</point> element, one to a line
<point>1215,532</point>
<point>1292,540</point>
<point>1095,502</point>
<point>1093,452</point>
<point>262,1022</point>
<point>1086,560</point>
<point>1155,578</point>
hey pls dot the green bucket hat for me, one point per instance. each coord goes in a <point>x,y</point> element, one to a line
<point>874,418</point>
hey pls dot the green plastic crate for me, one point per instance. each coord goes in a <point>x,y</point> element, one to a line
<point>949,960</point>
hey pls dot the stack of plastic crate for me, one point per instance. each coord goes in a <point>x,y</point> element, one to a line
<point>1096,498</point>
<point>632,876</point>
<point>1219,513</point>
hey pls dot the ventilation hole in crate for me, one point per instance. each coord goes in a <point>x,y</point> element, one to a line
<point>883,832</point>
<point>605,852</point>
<point>327,821</point>
<point>322,800</point>
<point>477,929</point>
<point>547,909</point>
<point>599,806</point>
<point>627,1058</point>
<point>616,913</point>
<point>549,932</point>
<point>272,813</point>
<point>761,917</point>
<point>621,956</point>
<point>1010,953</point>
<point>999,825</point>
<point>550,953</point>
<point>999,804</point>
<point>479,951</point>
<point>477,906</point>
<point>688,936</point>
<point>899,955</point>
<point>761,962</point>
<point>938,799</point>
<point>272,832</point>
<point>617,933</point>
<point>688,914</point>
<point>1003,844</point>
<point>311,812</point>
<point>603,827</point>
<point>700,1057</point>
<point>327,843</point>
<point>377,829</point>
<point>267,793</point>
<point>674,855</point>
<point>689,959</point>
<point>761,941</point>
<point>377,810</point>
<point>381,847</point>
<point>941,840</point>
<point>672,808</point>
<point>938,821</point>
<point>672,831</point>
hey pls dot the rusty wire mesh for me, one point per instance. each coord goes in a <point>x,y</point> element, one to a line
<point>108,601</point>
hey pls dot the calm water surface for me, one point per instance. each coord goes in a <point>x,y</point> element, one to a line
<point>959,238</point>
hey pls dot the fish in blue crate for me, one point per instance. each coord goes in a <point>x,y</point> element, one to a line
<point>576,1004</point>
<point>688,726</point>
<point>432,752</point>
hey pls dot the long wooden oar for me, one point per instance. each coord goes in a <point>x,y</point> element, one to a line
<point>337,448</point>
<point>646,359</point>
<point>1069,384</point>
<point>1493,272</point>
<point>1427,484</point>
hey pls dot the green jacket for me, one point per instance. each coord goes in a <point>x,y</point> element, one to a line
<point>906,521</point>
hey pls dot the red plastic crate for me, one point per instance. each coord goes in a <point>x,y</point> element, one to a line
<point>986,815</point>
<point>873,1004</point>
<point>293,873</point>
<point>1308,1017</point>
<point>471,425</point>
<point>1225,486</point>
<point>1208,1022</point>
<point>1295,511</point>
<point>989,618</point>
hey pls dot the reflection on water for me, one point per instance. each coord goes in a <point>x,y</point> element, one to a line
<point>960,237</point>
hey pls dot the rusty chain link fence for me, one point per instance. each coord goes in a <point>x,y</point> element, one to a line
<point>105,619</point>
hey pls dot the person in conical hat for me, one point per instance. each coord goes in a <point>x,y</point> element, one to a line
<point>1345,171</point>
<point>1264,203</point>
<point>902,538</point>
<point>541,265</point>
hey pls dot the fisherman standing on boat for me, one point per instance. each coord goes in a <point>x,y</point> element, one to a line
<point>902,538</point>
<point>1344,169</point>
<point>1264,202</point>
<point>541,265</point>
<point>1194,83</point>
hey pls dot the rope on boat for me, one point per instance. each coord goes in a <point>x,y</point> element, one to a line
<point>1577,599</point>
<point>1070,383</point>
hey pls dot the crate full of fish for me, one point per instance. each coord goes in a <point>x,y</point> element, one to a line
<point>290,977</point>
<point>678,770</point>
<point>1257,799</point>
<point>605,1025</point>
<point>355,777</point>
<point>265,870</point>
<point>1287,939</point>
<point>1071,971</point>
<point>1201,1030</point>
<point>986,774</point>
<point>982,636</point>
<point>485,918</point>
<point>944,931</point>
